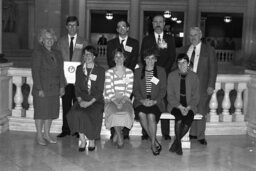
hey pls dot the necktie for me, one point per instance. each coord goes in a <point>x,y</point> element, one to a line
<point>122,43</point>
<point>159,39</point>
<point>192,57</point>
<point>183,100</point>
<point>71,47</point>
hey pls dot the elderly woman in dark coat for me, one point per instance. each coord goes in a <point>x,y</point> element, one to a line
<point>85,117</point>
<point>49,83</point>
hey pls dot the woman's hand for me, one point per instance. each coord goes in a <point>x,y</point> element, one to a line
<point>84,104</point>
<point>183,110</point>
<point>62,91</point>
<point>41,93</point>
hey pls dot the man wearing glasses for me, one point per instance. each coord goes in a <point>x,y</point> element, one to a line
<point>70,46</point>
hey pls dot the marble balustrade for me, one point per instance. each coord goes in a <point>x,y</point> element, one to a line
<point>220,122</point>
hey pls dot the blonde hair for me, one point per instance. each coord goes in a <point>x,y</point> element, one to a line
<point>43,32</point>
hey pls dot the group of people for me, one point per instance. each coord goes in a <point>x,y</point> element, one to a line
<point>128,90</point>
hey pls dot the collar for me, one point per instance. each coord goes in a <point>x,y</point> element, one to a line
<point>161,35</point>
<point>120,38</point>
<point>69,37</point>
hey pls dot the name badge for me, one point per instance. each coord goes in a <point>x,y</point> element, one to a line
<point>154,80</point>
<point>79,46</point>
<point>93,77</point>
<point>128,48</point>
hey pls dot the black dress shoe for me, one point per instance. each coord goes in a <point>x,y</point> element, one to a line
<point>191,137</point>
<point>144,137</point>
<point>63,134</point>
<point>76,135</point>
<point>203,141</point>
<point>167,137</point>
<point>155,151</point>
<point>91,148</point>
<point>126,137</point>
<point>158,146</point>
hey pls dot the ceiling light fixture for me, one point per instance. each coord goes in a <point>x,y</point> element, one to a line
<point>227,19</point>
<point>109,15</point>
<point>167,14</point>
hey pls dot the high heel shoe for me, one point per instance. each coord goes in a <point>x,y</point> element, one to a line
<point>80,147</point>
<point>155,151</point>
<point>41,141</point>
<point>51,141</point>
<point>120,146</point>
<point>91,148</point>
<point>158,146</point>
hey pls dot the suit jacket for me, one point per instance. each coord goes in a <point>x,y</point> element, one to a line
<point>192,90</point>
<point>131,57</point>
<point>63,47</point>
<point>167,56</point>
<point>207,73</point>
<point>97,86</point>
<point>47,71</point>
<point>157,93</point>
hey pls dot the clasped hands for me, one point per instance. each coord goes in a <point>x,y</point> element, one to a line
<point>184,110</point>
<point>148,102</point>
<point>85,104</point>
<point>119,100</point>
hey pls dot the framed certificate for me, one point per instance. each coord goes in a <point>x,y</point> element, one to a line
<point>70,71</point>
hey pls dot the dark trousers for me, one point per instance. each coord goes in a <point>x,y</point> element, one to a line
<point>67,101</point>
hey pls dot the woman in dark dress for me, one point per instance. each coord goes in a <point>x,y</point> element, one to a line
<point>183,97</point>
<point>49,83</point>
<point>149,91</point>
<point>85,117</point>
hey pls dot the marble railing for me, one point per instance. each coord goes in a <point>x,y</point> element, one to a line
<point>225,56</point>
<point>221,119</point>
<point>102,50</point>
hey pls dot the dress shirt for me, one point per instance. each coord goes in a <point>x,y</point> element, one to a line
<point>197,55</point>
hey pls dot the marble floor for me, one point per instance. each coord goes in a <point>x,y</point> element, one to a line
<point>19,152</point>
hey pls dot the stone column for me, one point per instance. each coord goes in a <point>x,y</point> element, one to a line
<point>191,17</point>
<point>2,59</point>
<point>5,97</point>
<point>134,19</point>
<point>250,32</point>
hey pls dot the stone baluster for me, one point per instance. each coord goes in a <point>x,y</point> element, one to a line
<point>213,104</point>
<point>30,111</point>
<point>238,116</point>
<point>18,111</point>
<point>226,104</point>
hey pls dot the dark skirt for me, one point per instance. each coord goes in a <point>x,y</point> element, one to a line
<point>147,110</point>
<point>185,119</point>
<point>46,107</point>
<point>86,120</point>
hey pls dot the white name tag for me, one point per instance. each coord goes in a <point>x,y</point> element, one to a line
<point>128,48</point>
<point>154,80</point>
<point>93,77</point>
<point>79,46</point>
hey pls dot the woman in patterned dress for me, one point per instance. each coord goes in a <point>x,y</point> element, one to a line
<point>119,111</point>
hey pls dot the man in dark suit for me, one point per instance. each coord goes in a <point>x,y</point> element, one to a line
<point>167,54</point>
<point>130,47</point>
<point>203,62</point>
<point>70,46</point>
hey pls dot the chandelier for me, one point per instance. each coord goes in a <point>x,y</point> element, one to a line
<point>109,15</point>
<point>227,19</point>
<point>167,14</point>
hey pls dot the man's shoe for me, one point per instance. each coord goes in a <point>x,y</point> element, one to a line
<point>144,137</point>
<point>126,137</point>
<point>63,134</point>
<point>203,141</point>
<point>76,134</point>
<point>167,137</point>
<point>191,137</point>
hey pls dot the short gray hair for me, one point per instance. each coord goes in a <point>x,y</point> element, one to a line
<point>196,29</point>
<point>45,31</point>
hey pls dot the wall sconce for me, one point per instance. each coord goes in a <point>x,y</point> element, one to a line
<point>167,14</point>
<point>178,21</point>
<point>109,15</point>
<point>174,18</point>
<point>227,19</point>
